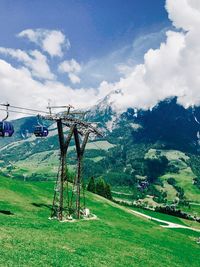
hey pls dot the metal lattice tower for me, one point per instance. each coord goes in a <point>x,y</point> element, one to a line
<point>69,198</point>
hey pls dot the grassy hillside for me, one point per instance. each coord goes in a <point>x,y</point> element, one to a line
<point>45,162</point>
<point>184,179</point>
<point>184,176</point>
<point>100,161</point>
<point>117,238</point>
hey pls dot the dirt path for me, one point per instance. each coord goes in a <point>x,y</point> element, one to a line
<point>167,224</point>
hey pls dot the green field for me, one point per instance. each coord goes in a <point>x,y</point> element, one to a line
<point>169,189</point>
<point>170,154</point>
<point>116,238</point>
<point>47,162</point>
<point>184,179</point>
<point>105,145</point>
<point>193,209</point>
<point>184,176</point>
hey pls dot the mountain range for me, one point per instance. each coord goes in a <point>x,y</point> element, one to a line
<point>148,156</point>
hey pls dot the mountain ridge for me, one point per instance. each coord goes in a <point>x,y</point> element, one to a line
<point>121,156</point>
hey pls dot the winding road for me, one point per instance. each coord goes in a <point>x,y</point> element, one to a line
<point>167,224</point>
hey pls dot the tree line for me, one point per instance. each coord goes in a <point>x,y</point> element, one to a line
<point>99,187</point>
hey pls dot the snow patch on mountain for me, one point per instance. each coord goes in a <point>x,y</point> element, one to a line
<point>112,124</point>
<point>135,126</point>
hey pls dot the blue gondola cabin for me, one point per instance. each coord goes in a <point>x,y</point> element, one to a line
<point>6,129</point>
<point>41,131</point>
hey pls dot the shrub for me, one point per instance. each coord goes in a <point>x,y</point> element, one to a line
<point>91,185</point>
<point>171,181</point>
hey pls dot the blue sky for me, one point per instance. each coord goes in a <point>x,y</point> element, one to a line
<point>94,27</point>
<point>78,52</point>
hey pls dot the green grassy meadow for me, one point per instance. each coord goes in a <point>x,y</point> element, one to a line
<point>184,177</point>
<point>46,162</point>
<point>116,238</point>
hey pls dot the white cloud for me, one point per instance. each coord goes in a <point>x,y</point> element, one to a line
<point>51,41</point>
<point>74,78</point>
<point>72,68</point>
<point>19,88</point>
<point>33,60</point>
<point>69,66</point>
<point>171,70</point>
<point>184,14</point>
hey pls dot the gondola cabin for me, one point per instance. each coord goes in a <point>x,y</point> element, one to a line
<point>6,129</point>
<point>41,131</point>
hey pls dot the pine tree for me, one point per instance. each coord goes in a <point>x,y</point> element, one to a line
<point>108,191</point>
<point>91,185</point>
<point>100,187</point>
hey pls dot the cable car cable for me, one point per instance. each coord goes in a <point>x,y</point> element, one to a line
<point>20,112</point>
<point>29,109</point>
